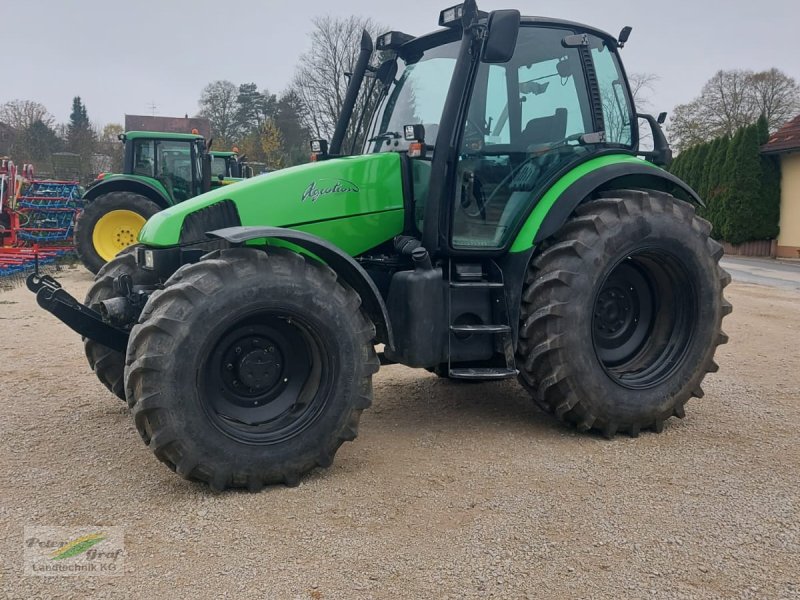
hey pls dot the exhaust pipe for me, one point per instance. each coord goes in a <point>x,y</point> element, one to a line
<point>350,97</point>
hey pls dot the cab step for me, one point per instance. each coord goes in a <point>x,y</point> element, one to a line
<point>483,373</point>
<point>476,284</point>
<point>486,329</point>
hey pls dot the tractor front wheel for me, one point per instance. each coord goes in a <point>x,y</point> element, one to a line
<point>109,224</point>
<point>621,314</point>
<point>250,368</point>
<point>108,364</point>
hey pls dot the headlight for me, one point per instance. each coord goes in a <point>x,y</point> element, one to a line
<point>148,259</point>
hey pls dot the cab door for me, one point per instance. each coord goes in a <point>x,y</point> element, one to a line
<point>175,168</point>
<point>524,124</point>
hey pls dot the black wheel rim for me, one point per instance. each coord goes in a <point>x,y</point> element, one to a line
<point>644,318</point>
<point>264,379</point>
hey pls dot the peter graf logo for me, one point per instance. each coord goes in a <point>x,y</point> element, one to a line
<point>52,551</point>
<point>325,187</point>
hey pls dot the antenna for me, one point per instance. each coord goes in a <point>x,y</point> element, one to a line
<point>152,106</point>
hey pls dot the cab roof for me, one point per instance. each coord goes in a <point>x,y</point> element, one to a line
<point>443,34</point>
<point>161,135</point>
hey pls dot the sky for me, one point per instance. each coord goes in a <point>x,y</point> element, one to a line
<point>124,57</point>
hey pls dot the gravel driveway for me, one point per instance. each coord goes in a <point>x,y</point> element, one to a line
<point>451,490</point>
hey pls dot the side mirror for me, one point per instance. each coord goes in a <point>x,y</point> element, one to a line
<point>661,154</point>
<point>386,72</point>
<point>501,40</point>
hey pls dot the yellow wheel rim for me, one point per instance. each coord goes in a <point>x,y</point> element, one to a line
<point>115,231</point>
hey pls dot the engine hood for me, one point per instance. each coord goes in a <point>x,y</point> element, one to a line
<point>355,202</point>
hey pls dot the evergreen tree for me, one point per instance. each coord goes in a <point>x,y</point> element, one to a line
<point>696,168</point>
<point>80,136</point>
<point>770,202</point>
<point>715,185</point>
<point>253,108</point>
<point>743,219</point>
<point>727,177</point>
<point>295,136</point>
<point>705,179</point>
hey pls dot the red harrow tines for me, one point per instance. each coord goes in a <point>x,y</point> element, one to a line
<point>38,226</point>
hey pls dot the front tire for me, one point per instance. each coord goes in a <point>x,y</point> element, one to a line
<point>621,314</point>
<point>108,364</point>
<point>109,224</point>
<point>250,368</point>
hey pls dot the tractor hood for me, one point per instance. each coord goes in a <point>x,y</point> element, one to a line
<point>354,202</point>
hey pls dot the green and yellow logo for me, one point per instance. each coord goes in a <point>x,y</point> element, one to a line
<point>78,546</point>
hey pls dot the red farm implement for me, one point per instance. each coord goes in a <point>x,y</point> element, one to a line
<point>37,219</point>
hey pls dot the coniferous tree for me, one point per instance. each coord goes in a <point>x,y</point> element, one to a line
<point>770,183</point>
<point>727,176</point>
<point>80,136</point>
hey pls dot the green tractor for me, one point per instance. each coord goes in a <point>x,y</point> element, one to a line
<point>500,222</point>
<point>159,171</point>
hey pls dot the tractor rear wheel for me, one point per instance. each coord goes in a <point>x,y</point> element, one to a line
<point>621,313</point>
<point>108,364</point>
<point>249,368</point>
<point>109,224</point>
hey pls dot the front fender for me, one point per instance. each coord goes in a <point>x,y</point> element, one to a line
<point>344,265</point>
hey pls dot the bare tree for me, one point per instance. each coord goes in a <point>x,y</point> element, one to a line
<point>218,104</point>
<point>731,100</point>
<point>776,96</point>
<point>21,114</point>
<point>320,82</point>
<point>642,85</point>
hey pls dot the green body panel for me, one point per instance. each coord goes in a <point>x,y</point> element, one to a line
<point>161,135</point>
<point>527,234</point>
<point>222,154</point>
<point>154,183</point>
<point>354,202</point>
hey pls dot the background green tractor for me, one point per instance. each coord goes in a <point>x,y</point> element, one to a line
<point>159,170</point>
<point>500,222</point>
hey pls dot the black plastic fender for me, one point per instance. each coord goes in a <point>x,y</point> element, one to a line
<point>345,266</point>
<point>125,184</point>
<point>618,176</point>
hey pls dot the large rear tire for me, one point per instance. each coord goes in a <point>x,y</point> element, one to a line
<point>108,364</point>
<point>621,314</point>
<point>109,224</point>
<point>250,368</point>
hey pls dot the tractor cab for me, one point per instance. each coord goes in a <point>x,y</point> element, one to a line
<point>171,161</point>
<point>482,137</point>
<point>228,167</point>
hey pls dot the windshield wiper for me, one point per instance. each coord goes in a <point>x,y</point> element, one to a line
<point>386,135</point>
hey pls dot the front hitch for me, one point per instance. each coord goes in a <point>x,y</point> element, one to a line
<point>81,319</point>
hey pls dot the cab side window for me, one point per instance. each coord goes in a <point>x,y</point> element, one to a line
<point>617,109</point>
<point>143,158</point>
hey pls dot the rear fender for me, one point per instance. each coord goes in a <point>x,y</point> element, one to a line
<point>609,173</point>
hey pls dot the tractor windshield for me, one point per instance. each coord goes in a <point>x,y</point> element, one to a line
<point>417,96</point>
<point>219,166</point>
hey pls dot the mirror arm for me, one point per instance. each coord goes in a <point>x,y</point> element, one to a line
<point>661,154</point>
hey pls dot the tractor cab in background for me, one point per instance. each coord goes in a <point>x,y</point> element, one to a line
<point>160,170</point>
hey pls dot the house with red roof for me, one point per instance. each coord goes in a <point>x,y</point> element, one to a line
<point>785,143</point>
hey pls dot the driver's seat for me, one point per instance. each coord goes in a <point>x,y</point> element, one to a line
<point>546,130</point>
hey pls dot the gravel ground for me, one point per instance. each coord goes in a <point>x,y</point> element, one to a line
<point>451,490</point>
